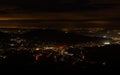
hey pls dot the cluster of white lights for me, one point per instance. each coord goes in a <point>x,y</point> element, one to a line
<point>106,43</point>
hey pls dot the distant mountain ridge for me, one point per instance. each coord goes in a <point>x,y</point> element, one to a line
<point>53,36</point>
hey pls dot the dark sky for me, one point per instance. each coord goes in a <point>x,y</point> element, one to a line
<point>57,5</point>
<point>94,11</point>
<point>46,5</point>
<point>35,6</point>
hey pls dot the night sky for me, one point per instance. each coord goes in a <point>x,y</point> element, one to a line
<point>92,11</point>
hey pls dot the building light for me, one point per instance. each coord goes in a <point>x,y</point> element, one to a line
<point>12,44</point>
<point>106,43</point>
<point>119,33</point>
<point>37,49</point>
<point>49,48</point>
<point>104,36</point>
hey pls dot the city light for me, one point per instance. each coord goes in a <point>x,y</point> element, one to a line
<point>106,43</point>
<point>37,49</point>
<point>104,36</point>
<point>42,50</point>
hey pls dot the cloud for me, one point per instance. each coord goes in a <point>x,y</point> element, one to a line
<point>13,12</point>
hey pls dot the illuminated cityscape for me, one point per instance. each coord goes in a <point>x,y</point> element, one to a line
<point>72,48</point>
<point>60,36</point>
